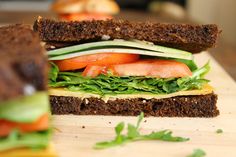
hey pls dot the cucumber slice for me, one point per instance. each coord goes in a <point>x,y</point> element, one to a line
<point>25,109</point>
<point>115,46</point>
<point>122,50</point>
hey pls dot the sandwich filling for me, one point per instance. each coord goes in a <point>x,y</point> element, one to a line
<point>24,122</point>
<point>125,68</point>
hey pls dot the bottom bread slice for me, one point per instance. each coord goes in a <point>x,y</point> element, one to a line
<point>178,106</point>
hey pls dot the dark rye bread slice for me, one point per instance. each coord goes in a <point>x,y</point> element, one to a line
<point>23,63</point>
<point>192,38</point>
<point>179,106</point>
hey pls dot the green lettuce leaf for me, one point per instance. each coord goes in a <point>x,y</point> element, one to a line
<point>190,63</point>
<point>113,85</point>
<point>53,73</point>
<point>201,72</point>
<point>34,140</point>
<point>25,109</point>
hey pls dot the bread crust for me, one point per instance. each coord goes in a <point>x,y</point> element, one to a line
<point>179,106</point>
<point>192,38</point>
<point>23,63</point>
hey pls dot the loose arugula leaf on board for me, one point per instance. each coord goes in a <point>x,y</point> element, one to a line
<point>219,131</point>
<point>198,153</point>
<point>119,139</point>
<point>133,134</point>
<point>140,118</point>
<point>132,131</point>
<point>119,128</point>
<point>165,135</point>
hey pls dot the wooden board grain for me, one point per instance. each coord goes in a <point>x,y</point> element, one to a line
<point>76,135</point>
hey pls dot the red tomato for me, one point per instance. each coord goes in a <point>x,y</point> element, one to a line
<point>85,16</point>
<point>94,70</point>
<point>96,59</point>
<point>156,68</point>
<point>7,126</point>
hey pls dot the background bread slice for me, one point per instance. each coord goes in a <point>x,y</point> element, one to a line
<point>192,38</point>
<point>23,63</point>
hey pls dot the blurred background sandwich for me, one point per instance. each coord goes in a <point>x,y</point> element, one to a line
<point>25,128</point>
<point>78,10</point>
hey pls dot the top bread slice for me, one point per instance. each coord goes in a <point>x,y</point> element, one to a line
<point>192,38</point>
<point>23,63</point>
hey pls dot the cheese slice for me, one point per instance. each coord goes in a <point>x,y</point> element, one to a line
<point>207,89</point>
<point>26,152</point>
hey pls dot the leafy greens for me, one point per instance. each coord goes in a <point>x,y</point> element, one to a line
<point>198,153</point>
<point>113,85</point>
<point>34,140</point>
<point>133,135</point>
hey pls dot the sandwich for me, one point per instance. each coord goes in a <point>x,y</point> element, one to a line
<point>24,103</point>
<point>79,10</point>
<point>118,67</point>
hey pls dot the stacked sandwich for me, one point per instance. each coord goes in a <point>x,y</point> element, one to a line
<point>118,67</point>
<point>24,105</point>
<point>79,10</point>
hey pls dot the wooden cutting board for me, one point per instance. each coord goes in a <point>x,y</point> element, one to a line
<point>75,136</point>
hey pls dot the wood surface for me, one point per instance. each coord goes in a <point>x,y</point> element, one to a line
<point>75,136</point>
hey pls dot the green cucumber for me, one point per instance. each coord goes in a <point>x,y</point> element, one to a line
<point>122,50</point>
<point>25,109</point>
<point>118,46</point>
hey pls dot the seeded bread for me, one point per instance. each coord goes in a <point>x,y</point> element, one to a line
<point>192,38</point>
<point>179,106</point>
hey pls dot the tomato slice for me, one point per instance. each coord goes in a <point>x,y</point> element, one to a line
<point>155,68</point>
<point>84,16</point>
<point>41,124</point>
<point>94,70</point>
<point>96,59</point>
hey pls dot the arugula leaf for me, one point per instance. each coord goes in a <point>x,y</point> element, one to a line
<point>113,85</point>
<point>133,134</point>
<point>132,131</point>
<point>190,63</point>
<point>140,118</point>
<point>198,153</point>
<point>53,73</point>
<point>120,139</point>
<point>119,128</point>
<point>219,131</point>
<point>164,135</point>
<point>201,72</point>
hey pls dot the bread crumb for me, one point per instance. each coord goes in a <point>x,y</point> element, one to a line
<point>106,37</point>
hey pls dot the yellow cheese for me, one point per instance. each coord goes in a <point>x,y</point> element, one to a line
<point>207,89</point>
<point>26,152</point>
